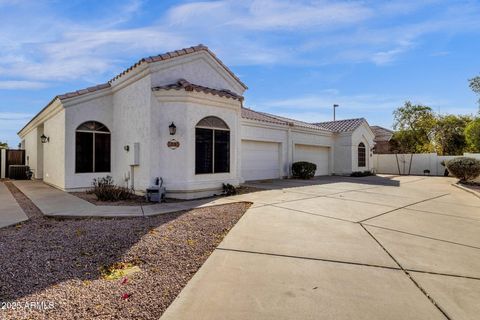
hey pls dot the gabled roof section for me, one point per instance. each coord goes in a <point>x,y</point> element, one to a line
<point>179,53</point>
<point>347,125</point>
<point>271,118</point>
<point>183,84</point>
<point>161,57</point>
<point>381,133</point>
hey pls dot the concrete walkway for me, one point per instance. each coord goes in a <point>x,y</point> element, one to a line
<point>54,202</point>
<point>10,211</point>
<point>342,248</point>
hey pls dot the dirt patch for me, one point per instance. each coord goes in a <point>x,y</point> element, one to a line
<point>471,185</point>
<point>134,201</point>
<point>63,262</point>
<point>137,200</point>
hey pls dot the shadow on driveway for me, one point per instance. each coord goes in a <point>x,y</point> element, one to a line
<point>324,181</point>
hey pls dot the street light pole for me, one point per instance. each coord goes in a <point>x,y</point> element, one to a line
<point>334,107</point>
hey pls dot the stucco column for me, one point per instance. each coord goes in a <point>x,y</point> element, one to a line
<point>289,152</point>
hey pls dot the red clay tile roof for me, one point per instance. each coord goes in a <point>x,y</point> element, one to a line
<point>258,116</point>
<point>381,133</point>
<point>183,84</point>
<point>267,117</point>
<point>83,91</point>
<point>178,53</point>
<point>151,59</point>
<point>342,125</point>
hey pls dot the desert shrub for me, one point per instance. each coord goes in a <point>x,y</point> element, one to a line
<point>229,190</point>
<point>106,190</point>
<point>464,168</point>
<point>365,173</point>
<point>303,169</point>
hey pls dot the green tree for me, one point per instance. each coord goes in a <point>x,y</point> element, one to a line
<point>415,128</point>
<point>474,84</point>
<point>450,134</point>
<point>472,135</point>
<point>3,145</point>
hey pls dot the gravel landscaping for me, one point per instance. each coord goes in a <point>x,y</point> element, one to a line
<point>63,262</point>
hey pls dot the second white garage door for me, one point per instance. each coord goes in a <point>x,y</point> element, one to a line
<point>314,154</point>
<point>260,160</point>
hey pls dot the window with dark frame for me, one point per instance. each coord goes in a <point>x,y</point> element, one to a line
<point>362,155</point>
<point>212,146</point>
<point>92,148</point>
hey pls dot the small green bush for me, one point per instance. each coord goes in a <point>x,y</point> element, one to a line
<point>365,173</point>
<point>229,190</point>
<point>105,190</point>
<point>464,168</point>
<point>303,169</point>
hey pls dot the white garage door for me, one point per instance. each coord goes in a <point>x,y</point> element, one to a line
<point>260,160</point>
<point>313,154</point>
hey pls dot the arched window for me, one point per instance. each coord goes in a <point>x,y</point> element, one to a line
<point>92,148</point>
<point>361,155</point>
<point>212,146</point>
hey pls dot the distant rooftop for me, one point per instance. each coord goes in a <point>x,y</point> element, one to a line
<point>381,133</point>
<point>341,125</point>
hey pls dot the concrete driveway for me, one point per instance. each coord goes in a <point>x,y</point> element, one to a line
<point>344,248</point>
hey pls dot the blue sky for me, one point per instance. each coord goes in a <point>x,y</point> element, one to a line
<point>297,57</point>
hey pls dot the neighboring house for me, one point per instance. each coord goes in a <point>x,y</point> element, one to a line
<point>180,116</point>
<point>382,139</point>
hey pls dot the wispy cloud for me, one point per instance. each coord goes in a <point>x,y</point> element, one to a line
<point>54,48</point>
<point>21,84</point>
<point>318,107</point>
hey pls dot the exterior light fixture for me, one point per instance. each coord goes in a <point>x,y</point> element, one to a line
<point>44,138</point>
<point>126,148</point>
<point>172,128</point>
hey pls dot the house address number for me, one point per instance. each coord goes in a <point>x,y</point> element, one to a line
<point>173,144</point>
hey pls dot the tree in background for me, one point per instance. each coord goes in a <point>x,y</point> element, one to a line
<point>450,134</point>
<point>3,145</point>
<point>475,86</point>
<point>415,129</point>
<point>472,135</point>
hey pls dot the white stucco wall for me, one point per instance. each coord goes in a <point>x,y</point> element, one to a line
<point>177,167</point>
<point>132,124</point>
<point>31,144</point>
<point>54,151</point>
<point>342,153</point>
<point>362,134</point>
<point>96,107</point>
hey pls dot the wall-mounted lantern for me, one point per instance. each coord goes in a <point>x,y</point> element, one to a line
<point>172,128</point>
<point>44,138</point>
<point>126,148</point>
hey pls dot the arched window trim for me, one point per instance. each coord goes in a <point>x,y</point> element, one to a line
<point>215,135</point>
<point>215,123</point>
<point>361,155</point>
<point>97,128</point>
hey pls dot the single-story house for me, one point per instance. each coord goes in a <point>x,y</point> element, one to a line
<point>180,116</point>
<point>382,140</point>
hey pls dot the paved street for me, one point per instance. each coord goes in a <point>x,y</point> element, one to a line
<point>344,248</point>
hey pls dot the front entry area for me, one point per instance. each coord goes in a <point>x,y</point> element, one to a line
<point>260,160</point>
<point>314,154</point>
